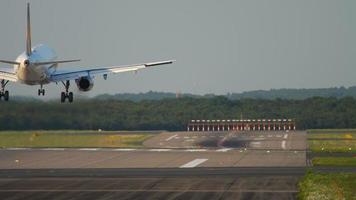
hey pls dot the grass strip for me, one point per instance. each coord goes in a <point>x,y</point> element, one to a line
<point>327,186</point>
<point>71,139</point>
<point>334,161</point>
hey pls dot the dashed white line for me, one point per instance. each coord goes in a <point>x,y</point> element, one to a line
<point>223,150</point>
<point>173,136</point>
<point>53,149</point>
<point>195,150</point>
<point>17,149</point>
<point>88,149</point>
<point>124,149</point>
<point>194,163</point>
<point>160,150</point>
<point>285,136</point>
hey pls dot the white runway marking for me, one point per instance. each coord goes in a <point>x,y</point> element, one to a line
<point>54,149</point>
<point>123,149</point>
<point>160,150</point>
<point>195,150</point>
<point>186,137</point>
<point>285,136</point>
<point>88,149</point>
<point>278,136</point>
<point>283,144</point>
<point>173,136</point>
<point>224,150</point>
<point>17,148</point>
<point>255,143</point>
<point>269,136</point>
<point>194,163</point>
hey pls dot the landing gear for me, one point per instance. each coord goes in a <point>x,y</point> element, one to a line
<point>4,93</point>
<point>41,91</point>
<point>66,94</point>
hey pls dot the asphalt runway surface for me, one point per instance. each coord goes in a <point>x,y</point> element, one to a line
<point>180,165</point>
<point>206,183</point>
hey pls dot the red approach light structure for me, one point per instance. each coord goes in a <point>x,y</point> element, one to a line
<point>242,125</point>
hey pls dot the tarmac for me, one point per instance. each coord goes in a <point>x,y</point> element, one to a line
<point>177,165</point>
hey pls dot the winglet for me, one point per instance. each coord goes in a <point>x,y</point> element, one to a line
<point>28,32</point>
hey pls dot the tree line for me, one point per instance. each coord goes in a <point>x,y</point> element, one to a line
<point>172,114</point>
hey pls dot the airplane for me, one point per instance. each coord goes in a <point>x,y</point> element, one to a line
<point>38,66</point>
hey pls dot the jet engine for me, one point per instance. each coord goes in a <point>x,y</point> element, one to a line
<point>85,83</point>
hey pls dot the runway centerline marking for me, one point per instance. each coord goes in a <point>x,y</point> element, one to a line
<point>18,149</point>
<point>124,150</point>
<point>224,150</point>
<point>160,150</point>
<point>285,136</point>
<point>88,149</point>
<point>195,150</point>
<point>194,163</point>
<point>173,136</point>
<point>53,149</point>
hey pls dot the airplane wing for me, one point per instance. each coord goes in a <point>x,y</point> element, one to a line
<point>8,74</point>
<point>72,75</point>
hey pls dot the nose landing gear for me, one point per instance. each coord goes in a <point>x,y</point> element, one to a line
<point>66,94</point>
<point>4,93</point>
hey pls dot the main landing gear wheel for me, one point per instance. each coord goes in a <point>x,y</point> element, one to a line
<point>41,91</point>
<point>66,94</point>
<point>4,93</point>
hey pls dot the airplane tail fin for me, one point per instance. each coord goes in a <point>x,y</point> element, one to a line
<point>28,32</point>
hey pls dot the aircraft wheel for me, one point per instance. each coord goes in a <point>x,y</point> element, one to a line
<point>63,97</point>
<point>6,96</point>
<point>70,97</point>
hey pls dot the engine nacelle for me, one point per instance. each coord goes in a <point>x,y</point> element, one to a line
<point>84,83</point>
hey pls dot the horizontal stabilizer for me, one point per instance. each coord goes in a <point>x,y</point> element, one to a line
<point>10,62</point>
<point>54,62</point>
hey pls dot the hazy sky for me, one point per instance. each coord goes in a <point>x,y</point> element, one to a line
<point>220,45</point>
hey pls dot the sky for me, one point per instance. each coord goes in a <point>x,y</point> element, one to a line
<point>221,46</point>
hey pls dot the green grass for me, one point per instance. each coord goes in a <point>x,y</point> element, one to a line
<point>312,131</point>
<point>335,140</point>
<point>331,186</point>
<point>72,139</point>
<point>344,136</point>
<point>334,161</point>
<point>340,146</point>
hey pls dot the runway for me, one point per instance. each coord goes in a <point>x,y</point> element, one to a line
<point>179,165</point>
<point>206,183</point>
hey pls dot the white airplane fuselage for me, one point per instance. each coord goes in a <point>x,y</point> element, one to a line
<point>38,66</point>
<point>30,74</point>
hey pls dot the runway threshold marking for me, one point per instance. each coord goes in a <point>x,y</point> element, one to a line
<point>194,163</point>
<point>173,136</point>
